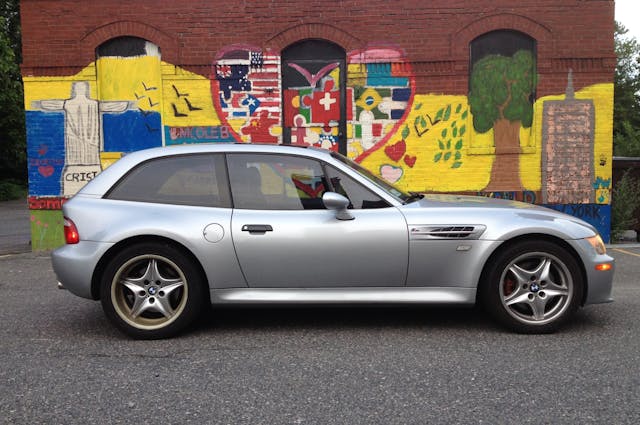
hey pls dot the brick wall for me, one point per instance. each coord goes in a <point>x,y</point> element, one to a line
<point>435,35</point>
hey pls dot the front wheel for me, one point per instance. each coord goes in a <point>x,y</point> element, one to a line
<point>151,291</point>
<point>532,287</point>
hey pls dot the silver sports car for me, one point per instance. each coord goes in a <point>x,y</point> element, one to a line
<point>164,233</point>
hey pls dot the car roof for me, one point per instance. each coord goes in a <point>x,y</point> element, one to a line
<point>227,147</point>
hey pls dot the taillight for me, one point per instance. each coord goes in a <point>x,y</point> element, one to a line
<point>71,235</point>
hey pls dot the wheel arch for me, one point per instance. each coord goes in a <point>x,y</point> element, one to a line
<point>111,253</point>
<point>533,237</point>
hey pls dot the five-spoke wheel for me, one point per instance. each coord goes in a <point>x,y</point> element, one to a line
<point>151,290</point>
<point>532,286</point>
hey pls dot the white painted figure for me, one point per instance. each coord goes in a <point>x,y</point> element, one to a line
<point>83,140</point>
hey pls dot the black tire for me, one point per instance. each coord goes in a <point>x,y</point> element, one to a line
<point>151,291</point>
<point>532,286</point>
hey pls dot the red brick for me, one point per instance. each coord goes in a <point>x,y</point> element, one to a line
<point>66,32</point>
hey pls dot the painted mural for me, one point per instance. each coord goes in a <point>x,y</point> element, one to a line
<point>313,95</point>
<point>129,99</point>
<point>502,86</point>
<point>247,92</point>
<point>83,141</point>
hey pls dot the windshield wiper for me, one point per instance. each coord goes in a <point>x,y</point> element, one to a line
<point>414,196</point>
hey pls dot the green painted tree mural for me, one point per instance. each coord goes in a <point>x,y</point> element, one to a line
<point>500,97</point>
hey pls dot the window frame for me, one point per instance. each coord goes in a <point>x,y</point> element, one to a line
<point>219,170</point>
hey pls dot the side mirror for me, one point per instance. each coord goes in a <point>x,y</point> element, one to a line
<point>338,203</point>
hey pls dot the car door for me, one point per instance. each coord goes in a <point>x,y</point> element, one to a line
<point>285,237</point>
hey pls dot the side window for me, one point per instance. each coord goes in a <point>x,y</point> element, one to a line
<point>360,196</point>
<point>275,182</point>
<point>197,180</point>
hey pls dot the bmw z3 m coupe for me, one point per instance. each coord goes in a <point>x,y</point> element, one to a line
<point>165,232</point>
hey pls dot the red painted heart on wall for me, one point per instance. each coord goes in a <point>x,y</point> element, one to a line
<point>46,170</point>
<point>245,89</point>
<point>396,151</point>
<point>410,160</point>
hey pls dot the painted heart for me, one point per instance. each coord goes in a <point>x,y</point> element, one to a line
<point>410,160</point>
<point>379,97</point>
<point>46,170</point>
<point>396,151</point>
<point>391,173</point>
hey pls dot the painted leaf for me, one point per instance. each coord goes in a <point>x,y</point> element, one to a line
<point>455,131</point>
<point>458,108</point>
<point>464,114</point>
<point>439,115</point>
<point>463,130</point>
<point>418,106</point>
<point>440,145</point>
<point>458,155</point>
<point>447,156</point>
<point>437,157</point>
<point>444,133</point>
<point>423,122</point>
<point>456,164</point>
<point>449,144</point>
<point>405,132</point>
<point>447,113</point>
<point>459,144</point>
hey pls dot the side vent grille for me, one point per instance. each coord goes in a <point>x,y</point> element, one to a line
<point>452,232</point>
<point>447,231</point>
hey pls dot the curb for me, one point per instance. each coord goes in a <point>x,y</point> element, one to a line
<point>622,245</point>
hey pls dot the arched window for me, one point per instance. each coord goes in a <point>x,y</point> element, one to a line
<point>126,47</point>
<point>501,42</point>
<point>314,94</point>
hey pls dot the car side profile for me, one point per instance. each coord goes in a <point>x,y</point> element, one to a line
<point>163,233</point>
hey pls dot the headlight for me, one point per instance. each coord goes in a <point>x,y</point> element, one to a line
<point>597,244</point>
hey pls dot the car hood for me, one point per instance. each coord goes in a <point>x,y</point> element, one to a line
<point>503,218</point>
<point>435,201</point>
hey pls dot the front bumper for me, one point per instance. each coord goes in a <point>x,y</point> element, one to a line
<point>599,282</point>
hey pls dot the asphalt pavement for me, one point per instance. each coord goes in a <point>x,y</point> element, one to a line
<point>15,227</point>
<point>62,362</point>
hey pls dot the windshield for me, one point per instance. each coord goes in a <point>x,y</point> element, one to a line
<point>401,195</point>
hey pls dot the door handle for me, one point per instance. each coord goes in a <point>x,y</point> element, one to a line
<point>257,228</point>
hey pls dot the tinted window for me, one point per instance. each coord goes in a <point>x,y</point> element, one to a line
<point>360,196</point>
<point>185,180</point>
<point>276,182</point>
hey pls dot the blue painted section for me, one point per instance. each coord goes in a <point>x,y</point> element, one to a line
<point>379,75</point>
<point>252,102</point>
<point>45,152</point>
<point>598,215</point>
<point>131,131</point>
<point>233,78</point>
<point>401,95</point>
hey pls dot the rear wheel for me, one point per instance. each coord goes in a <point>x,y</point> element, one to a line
<point>532,287</point>
<point>151,291</point>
